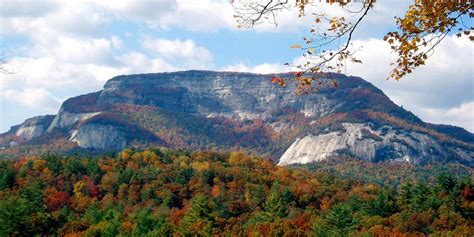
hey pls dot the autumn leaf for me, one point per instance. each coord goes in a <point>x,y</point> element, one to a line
<point>278,80</point>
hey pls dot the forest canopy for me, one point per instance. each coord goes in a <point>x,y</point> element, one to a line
<point>162,193</point>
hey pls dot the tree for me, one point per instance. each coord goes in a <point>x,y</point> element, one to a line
<point>14,216</point>
<point>338,222</point>
<point>92,168</point>
<point>384,204</point>
<point>256,200</point>
<point>446,182</point>
<point>341,217</point>
<point>53,163</point>
<point>328,48</point>
<point>274,205</point>
<point>109,226</point>
<point>7,178</point>
<point>146,223</point>
<point>198,220</point>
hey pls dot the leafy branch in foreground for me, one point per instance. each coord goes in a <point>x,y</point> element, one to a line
<point>423,27</point>
<point>329,47</point>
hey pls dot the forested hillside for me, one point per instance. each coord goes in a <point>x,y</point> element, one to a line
<point>164,193</point>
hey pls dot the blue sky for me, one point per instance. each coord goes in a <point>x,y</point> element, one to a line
<point>60,49</point>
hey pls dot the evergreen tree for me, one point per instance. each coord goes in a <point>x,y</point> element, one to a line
<point>341,217</point>
<point>384,204</point>
<point>199,219</point>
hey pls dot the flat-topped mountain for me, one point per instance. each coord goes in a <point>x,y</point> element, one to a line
<point>227,110</point>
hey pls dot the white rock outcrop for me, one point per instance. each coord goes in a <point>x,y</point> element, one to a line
<point>361,141</point>
<point>66,120</point>
<point>97,136</point>
<point>33,128</point>
<point>28,133</point>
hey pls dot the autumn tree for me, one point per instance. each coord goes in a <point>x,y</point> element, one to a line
<point>248,197</point>
<point>328,48</point>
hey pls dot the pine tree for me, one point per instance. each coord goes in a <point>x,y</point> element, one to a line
<point>198,220</point>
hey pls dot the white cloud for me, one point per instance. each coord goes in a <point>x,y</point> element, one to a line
<point>183,49</point>
<point>64,62</point>
<point>32,98</point>
<point>54,75</point>
<point>445,80</point>
<point>150,12</point>
<point>117,42</point>
<point>11,8</point>
<point>139,63</point>
<point>443,84</point>
<point>379,19</point>
<point>462,115</point>
<point>182,52</point>
<point>88,18</point>
<point>68,66</point>
<point>84,73</point>
<point>65,18</point>
<point>203,15</point>
<point>288,19</point>
<point>76,50</point>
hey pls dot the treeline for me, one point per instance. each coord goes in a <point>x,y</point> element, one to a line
<point>166,193</point>
<point>391,173</point>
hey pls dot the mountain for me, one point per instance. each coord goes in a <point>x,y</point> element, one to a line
<point>228,111</point>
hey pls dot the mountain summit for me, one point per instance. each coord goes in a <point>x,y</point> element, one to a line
<point>228,110</point>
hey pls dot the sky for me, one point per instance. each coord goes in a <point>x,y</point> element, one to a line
<point>61,49</point>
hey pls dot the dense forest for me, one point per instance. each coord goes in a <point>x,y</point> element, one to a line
<point>178,193</point>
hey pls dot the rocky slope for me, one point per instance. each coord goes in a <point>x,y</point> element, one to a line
<point>361,140</point>
<point>31,129</point>
<point>225,110</point>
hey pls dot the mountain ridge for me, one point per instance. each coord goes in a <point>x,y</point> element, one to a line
<point>230,110</point>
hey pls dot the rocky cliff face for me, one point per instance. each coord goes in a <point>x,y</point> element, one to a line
<point>233,95</point>
<point>224,110</point>
<point>67,120</point>
<point>29,130</point>
<point>99,136</point>
<point>361,140</point>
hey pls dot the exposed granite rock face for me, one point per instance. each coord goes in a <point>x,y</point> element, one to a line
<point>98,136</point>
<point>27,133</point>
<point>109,134</point>
<point>232,95</point>
<point>227,110</point>
<point>67,120</point>
<point>32,128</point>
<point>361,141</point>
